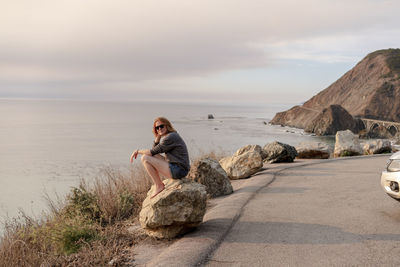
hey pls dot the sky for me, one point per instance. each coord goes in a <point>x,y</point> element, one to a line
<point>253,52</point>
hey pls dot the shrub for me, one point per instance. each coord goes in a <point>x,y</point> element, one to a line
<point>83,203</point>
<point>73,236</point>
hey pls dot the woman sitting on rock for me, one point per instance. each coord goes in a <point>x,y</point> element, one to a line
<point>174,165</point>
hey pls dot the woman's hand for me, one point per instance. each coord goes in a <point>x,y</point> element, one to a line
<point>158,138</point>
<point>134,155</point>
<point>137,152</point>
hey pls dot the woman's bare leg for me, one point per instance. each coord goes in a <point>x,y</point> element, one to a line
<point>155,166</point>
<point>160,157</point>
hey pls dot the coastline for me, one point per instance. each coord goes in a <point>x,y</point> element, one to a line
<point>234,131</point>
<point>220,217</point>
<point>62,141</point>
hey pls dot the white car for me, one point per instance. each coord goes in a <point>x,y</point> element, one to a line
<point>390,178</point>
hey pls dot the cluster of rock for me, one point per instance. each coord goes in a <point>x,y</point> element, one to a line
<point>181,206</point>
<point>348,144</point>
<point>250,159</point>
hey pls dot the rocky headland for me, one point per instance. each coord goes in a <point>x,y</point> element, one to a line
<point>371,90</point>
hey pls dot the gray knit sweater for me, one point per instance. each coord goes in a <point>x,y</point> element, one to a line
<point>174,148</point>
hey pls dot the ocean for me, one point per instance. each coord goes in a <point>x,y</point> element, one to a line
<point>47,146</point>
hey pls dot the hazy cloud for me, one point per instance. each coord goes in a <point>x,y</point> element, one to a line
<point>63,44</point>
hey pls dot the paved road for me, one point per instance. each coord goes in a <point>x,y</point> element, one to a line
<point>328,214</point>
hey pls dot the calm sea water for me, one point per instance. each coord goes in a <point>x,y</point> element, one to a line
<point>48,146</point>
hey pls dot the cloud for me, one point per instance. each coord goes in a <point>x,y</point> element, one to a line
<point>92,42</point>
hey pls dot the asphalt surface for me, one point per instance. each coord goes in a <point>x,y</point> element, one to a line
<point>318,213</point>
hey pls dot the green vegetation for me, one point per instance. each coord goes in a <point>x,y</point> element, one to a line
<point>392,60</point>
<point>70,237</point>
<point>83,203</point>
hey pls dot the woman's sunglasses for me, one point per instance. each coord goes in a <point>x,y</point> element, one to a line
<point>161,126</point>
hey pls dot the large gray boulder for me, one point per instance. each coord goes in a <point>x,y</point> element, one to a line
<point>179,208</point>
<point>332,119</point>
<point>347,144</point>
<point>313,150</point>
<point>255,148</point>
<point>243,165</point>
<point>378,146</point>
<point>279,152</point>
<point>209,173</point>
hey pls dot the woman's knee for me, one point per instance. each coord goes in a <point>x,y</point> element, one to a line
<point>145,159</point>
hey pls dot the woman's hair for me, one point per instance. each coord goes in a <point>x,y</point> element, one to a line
<point>166,123</point>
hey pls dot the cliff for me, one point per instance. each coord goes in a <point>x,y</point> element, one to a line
<point>370,90</point>
<point>333,119</point>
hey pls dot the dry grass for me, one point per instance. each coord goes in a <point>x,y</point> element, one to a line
<point>88,228</point>
<point>119,198</point>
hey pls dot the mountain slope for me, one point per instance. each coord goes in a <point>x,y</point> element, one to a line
<point>370,90</point>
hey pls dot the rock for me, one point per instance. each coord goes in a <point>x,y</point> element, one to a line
<point>347,144</point>
<point>279,152</point>
<point>243,165</point>
<point>378,146</point>
<point>209,173</point>
<point>332,119</point>
<point>179,208</point>
<point>297,116</point>
<point>313,150</point>
<point>255,148</point>
<point>395,148</point>
<point>210,116</point>
<point>379,132</point>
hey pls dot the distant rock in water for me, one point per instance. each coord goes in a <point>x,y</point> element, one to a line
<point>333,119</point>
<point>210,116</point>
<point>370,90</point>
